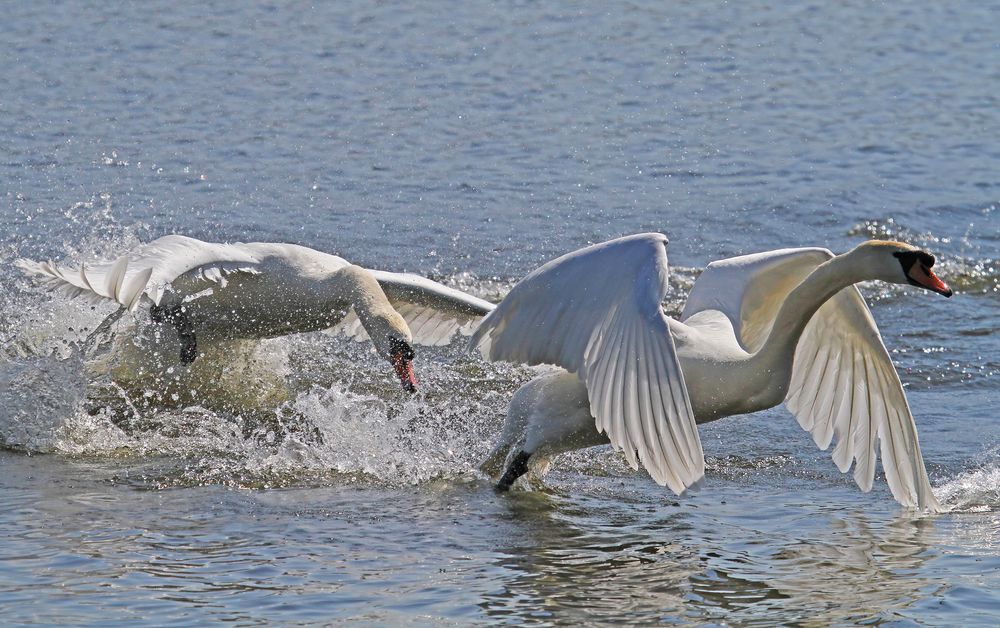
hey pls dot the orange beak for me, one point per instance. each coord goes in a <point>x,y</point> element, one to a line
<point>404,370</point>
<point>926,278</point>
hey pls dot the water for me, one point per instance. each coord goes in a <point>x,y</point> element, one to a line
<point>470,144</point>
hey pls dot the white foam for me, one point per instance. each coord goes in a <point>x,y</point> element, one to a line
<point>36,395</point>
<point>281,411</point>
<point>973,491</point>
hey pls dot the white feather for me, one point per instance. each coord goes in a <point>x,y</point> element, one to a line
<point>843,382</point>
<point>147,270</point>
<point>434,312</point>
<point>290,290</point>
<point>596,312</point>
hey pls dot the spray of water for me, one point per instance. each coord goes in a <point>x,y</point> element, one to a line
<point>281,412</point>
<point>974,491</point>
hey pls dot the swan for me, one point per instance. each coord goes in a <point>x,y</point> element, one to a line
<point>208,291</point>
<point>786,325</point>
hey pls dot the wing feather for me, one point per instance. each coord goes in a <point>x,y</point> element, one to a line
<point>648,411</point>
<point>596,312</point>
<point>866,405</point>
<point>136,289</point>
<point>826,399</point>
<point>843,431</point>
<point>749,289</point>
<point>84,283</point>
<point>826,403</point>
<point>615,422</point>
<point>843,385</point>
<point>434,312</point>
<point>864,471</point>
<point>173,262</point>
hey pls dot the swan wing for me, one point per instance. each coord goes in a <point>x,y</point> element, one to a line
<point>596,312</point>
<point>433,312</point>
<point>844,386</point>
<point>749,289</point>
<point>171,263</point>
<point>843,383</point>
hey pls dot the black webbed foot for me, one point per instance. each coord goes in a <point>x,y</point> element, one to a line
<point>518,467</point>
<point>177,317</point>
<point>189,348</point>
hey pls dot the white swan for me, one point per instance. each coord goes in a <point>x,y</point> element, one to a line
<point>208,292</point>
<point>758,329</point>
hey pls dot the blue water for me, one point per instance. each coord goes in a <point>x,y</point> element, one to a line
<point>471,143</point>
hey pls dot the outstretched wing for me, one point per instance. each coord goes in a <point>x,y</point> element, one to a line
<point>149,269</point>
<point>596,312</point>
<point>843,383</point>
<point>845,386</point>
<point>433,312</point>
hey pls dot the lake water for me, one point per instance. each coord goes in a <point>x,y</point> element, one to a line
<point>471,142</point>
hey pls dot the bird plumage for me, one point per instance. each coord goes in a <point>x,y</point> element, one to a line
<point>758,329</point>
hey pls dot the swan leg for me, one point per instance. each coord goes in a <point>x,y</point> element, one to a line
<point>176,316</point>
<point>547,416</point>
<point>189,348</point>
<point>492,465</point>
<point>518,467</point>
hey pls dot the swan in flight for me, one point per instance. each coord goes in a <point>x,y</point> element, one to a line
<point>207,292</point>
<point>787,325</point>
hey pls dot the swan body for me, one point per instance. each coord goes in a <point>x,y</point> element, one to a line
<point>209,292</point>
<point>785,325</point>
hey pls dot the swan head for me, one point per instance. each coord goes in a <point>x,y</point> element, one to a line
<point>896,262</point>
<point>402,361</point>
<point>391,336</point>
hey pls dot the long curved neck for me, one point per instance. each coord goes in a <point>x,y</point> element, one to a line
<point>817,288</point>
<point>355,286</point>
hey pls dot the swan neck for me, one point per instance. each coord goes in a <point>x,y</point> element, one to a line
<point>802,303</point>
<point>356,286</point>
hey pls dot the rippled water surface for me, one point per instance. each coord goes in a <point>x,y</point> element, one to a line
<point>291,482</point>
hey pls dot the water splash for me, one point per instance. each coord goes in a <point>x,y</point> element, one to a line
<point>245,414</point>
<point>323,434</point>
<point>284,412</point>
<point>281,412</point>
<point>889,229</point>
<point>36,395</point>
<point>973,491</point>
